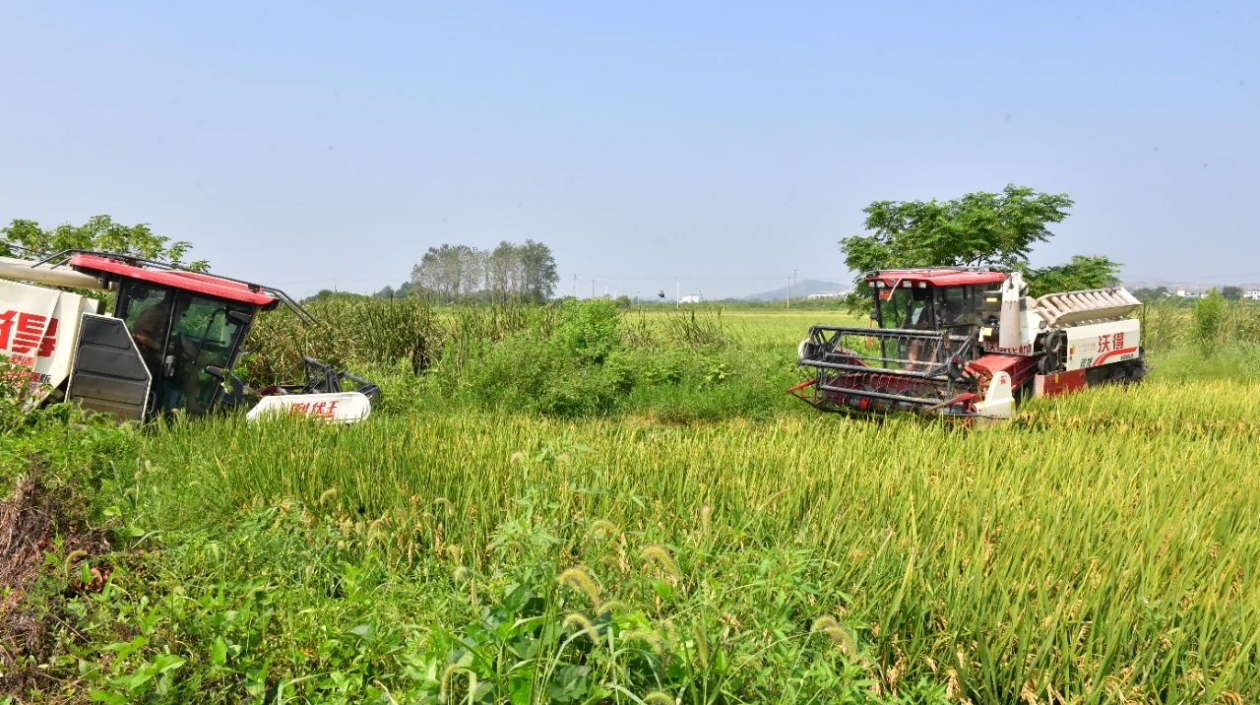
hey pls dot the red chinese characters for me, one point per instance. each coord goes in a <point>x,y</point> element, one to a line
<point>1104,343</point>
<point>22,333</point>
<point>319,409</point>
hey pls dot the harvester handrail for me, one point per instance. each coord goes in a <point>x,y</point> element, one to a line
<point>887,332</point>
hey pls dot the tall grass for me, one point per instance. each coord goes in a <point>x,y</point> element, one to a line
<point>1207,323</point>
<point>723,548</point>
<point>1102,550</point>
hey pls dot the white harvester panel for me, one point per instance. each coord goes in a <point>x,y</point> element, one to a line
<point>1103,343</point>
<point>1070,307</point>
<point>38,328</point>
<point>336,407</point>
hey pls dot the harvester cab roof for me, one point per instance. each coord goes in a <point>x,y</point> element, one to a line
<point>932,299</point>
<point>169,344</point>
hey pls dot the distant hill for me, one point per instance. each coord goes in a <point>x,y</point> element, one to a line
<point>801,290</point>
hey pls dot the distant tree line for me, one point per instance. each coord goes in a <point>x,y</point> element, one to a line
<point>524,272</point>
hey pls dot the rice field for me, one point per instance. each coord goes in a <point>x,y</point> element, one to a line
<point>1101,548</point>
<point>1104,548</point>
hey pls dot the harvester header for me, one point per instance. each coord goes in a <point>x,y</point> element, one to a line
<point>969,342</point>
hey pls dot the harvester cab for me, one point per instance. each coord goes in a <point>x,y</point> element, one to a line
<point>968,342</point>
<point>169,344</point>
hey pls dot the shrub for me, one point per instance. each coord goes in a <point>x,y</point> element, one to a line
<point>1209,318</point>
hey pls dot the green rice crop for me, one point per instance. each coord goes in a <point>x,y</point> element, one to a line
<point>1103,547</point>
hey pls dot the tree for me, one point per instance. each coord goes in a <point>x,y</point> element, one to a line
<point>538,268</point>
<point>1083,272</point>
<point>1147,294</point>
<point>450,271</point>
<point>99,233</point>
<point>978,229</point>
<point>1232,293</point>
<point>525,272</point>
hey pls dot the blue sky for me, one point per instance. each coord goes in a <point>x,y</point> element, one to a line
<point>313,145</point>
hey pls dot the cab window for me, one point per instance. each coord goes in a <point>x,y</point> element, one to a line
<point>904,307</point>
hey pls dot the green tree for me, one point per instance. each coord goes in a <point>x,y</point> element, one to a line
<point>993,229</point>
<point>1147,294</point>
<point>979,229</point>
<point>100,233</point>
<point>1232,293</point>
<point>524,272</point>
<point>539,267</point>
<point>1083,272</point>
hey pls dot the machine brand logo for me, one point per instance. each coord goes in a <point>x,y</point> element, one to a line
<point>22,332</point>
<point>1021,350</point>
<point>1110,342</point>
<point>319,409</point>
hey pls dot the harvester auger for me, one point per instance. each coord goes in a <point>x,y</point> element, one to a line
<point>170,343</point>
<point>966,342</point>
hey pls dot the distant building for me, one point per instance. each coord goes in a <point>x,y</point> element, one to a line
<point>821,296</point>
<point>1252,294</point>
<point>690,300</point>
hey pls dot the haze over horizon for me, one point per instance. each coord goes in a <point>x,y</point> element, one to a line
<point>311,146</point>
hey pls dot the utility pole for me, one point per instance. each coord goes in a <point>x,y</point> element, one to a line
<point>789,299</point>
<point>575,286</point>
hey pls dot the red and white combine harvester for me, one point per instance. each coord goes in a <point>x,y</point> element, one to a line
<point>170,343</point>
<point>969,343</point>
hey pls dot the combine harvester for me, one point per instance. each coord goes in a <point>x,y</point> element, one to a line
<point>968,342</point>
<point>170,343</point>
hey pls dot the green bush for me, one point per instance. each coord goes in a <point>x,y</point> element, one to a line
<point>589,330</point>
<point>1209,319</point>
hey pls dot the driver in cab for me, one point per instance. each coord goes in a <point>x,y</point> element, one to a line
<point>148,331</point>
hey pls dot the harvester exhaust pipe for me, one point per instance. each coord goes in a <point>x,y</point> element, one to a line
<point>1008,331</point>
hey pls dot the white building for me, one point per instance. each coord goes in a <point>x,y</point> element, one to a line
<point>690,300</point>
<point>824,295</point>
<point>1252,294</point>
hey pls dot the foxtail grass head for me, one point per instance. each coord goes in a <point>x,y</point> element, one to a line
<point>660,555</point>
<point>580,621</point>
<point>577,578</point>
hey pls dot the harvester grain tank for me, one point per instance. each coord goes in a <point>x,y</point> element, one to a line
<point>970,343</point>
<point>170,342</point>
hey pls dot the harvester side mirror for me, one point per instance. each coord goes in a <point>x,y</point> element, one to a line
<point>216,372</point>
<point>240,318</point>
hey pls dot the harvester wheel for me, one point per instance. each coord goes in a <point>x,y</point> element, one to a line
<point>1055,357</point>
